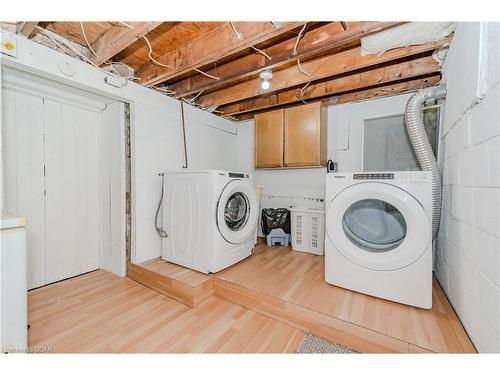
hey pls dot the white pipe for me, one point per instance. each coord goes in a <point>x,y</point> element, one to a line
<point>422,146</point>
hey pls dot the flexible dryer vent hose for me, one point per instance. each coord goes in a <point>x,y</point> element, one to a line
<point>422,146</point>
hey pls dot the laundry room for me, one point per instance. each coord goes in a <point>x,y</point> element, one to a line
<point>187,185</point>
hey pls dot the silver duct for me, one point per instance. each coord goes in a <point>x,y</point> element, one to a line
<point>422,146</point>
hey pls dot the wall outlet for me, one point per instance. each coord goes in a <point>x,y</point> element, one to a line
<point>9,44</point>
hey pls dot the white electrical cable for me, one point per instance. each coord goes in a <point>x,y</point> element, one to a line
<point>238,35</point>
<point>261,52</point>
<point>298,39</point>
<point>302,91</point>
<point>193,99</point>
<point>126,25</point>
<point>151,57</point>
<point>86,40</point>
<point>206,74</point>
<point>58,40</point>
<point>302,70</point>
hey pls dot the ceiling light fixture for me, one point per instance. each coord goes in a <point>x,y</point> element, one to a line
<point>266,75</point>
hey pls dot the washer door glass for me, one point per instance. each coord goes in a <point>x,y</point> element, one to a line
<point>236,211</point>
<point>374,225</point>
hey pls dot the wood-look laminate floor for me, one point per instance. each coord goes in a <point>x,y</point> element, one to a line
<point>298,278</point>
<point>102,313</point>
<point>277,279</point>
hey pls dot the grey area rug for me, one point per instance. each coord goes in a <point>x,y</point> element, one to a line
<point>314,345</point>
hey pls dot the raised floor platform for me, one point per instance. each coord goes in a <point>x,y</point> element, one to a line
<point>289,286</point>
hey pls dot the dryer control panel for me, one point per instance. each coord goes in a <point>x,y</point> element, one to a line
<point>373,176</point>
<point>238,175</point>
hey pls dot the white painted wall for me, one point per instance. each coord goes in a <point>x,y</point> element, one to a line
<point>306,187</point>
<point>158,147</point>
<point>156,135</point>
<point>468,251</point>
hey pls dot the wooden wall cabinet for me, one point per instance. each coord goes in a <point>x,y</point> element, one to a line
<point>269,139</point>
<point>293,137</point>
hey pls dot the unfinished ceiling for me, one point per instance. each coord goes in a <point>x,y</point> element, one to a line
<point>216,65</point>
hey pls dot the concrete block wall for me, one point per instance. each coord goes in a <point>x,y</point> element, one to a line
<point>468,245</point>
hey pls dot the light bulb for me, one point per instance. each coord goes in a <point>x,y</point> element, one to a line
<point>265,84</point>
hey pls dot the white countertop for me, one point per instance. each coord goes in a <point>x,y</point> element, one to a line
<point>10,221</point>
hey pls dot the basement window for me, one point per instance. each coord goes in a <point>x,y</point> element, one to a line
<point>387,147</point>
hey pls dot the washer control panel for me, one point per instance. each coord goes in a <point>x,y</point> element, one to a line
<point>373,176</point>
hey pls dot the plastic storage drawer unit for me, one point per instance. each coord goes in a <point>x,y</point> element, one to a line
<point>308,230</point>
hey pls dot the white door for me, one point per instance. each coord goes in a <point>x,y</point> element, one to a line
<point>72,190</point>
<point>378,226</point>
<point>237,212</point>
<point>63,168</point>
<point>22,172</point>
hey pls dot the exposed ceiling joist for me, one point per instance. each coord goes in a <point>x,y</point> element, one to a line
<point>321,68</point>
<point>214,45</point>
<point>314,43</point>
<point>26,28</point>
<point>377,92</point>
<point>118,38</point>
<point>419,67</point>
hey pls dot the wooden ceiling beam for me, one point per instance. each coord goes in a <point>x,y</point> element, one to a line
<point>372,93</point>
<point>314,43</point>
<point>117,38</point>
<point>419,67</point>
<point>318,69</point>
<point>210,47</point>
<point>26,28</point>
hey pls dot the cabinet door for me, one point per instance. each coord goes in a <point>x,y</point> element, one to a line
<point>303,135</point>
<point>269,139</point>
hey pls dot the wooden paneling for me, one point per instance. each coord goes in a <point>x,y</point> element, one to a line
<point>23,180</point>
<point>118,38</point>
<point>73,30</point>
<point>303,136</point>
<point>314,43</point>
<point>269,139</point>
<point>214,45</point>
<point>72,233</point>
<point>375,77</point>
<point>166,37</point>
<point>377,92</point>
<point>317,69</point>
<point>102,313</point>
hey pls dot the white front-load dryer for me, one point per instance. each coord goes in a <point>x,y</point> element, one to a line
<point>379,235</point>
<point>210,218</point>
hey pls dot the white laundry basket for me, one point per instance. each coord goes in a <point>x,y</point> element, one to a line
<point>308,230</point>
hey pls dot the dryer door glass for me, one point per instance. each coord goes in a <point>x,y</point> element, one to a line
<point>236,211</point>
<point>374,225</point>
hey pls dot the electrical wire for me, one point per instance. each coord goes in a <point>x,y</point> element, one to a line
<point>302,91</point>
<point>206,74</point>
<point>62,43</point>
<point>159,228</point>
<point>298,38</point>
<point>261,52</point>
<point>86,40</point>
<point>238,35</point>
<point>192,100</point>
<point>302,70</point>
<point>126,25</point>
<point>151,51</point>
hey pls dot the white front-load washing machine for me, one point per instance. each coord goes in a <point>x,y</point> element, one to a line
<point>209,218</point>
<point>379,235</point>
